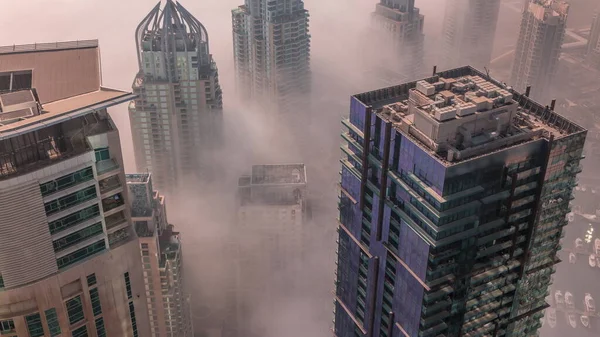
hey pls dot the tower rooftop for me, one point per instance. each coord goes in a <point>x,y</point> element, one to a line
<point>462,113</point>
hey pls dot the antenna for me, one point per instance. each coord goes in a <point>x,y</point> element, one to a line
<point>487,72</point>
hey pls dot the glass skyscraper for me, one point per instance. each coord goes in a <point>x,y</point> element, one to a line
<point>454,193</point>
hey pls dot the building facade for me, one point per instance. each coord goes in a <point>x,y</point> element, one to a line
<point>539,46</point>
<point>469,32</point>
<point>271,214</point>
<point>176,119</point>
<point>399,25</point>
<point>271,45</point>
<point>451,225</point>
<point>168,304</point>
<point>69,258</point>
<point>593,46</point>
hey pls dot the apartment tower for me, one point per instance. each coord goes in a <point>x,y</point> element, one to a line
<point>469,31</point>
<point>176,119</point>
<point>539,45</point>
<point>454,195</point>
<point>271,213</point>
<point>160,245</point>
<point>400,26</point>
<point>593,46</point>
<point>271,45</point>
<point>69,258</point>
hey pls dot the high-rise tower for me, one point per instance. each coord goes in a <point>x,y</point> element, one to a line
<point>469,31</point>
<point>162,260</point>
<point>271,45</point>
<point>454,195</point>
<point>593,46</point>
<point>538,48</point>
<point>176,120</point>
<point>400,26</point>
<point>69,258</point>
<point>271,216</point>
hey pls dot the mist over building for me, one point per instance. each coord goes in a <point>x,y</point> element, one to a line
<point>70,262</point>
<point>176,120</point>
<point>469,32</point>
<point>271,45</point>
<point>399,26</point>
<point>452,223</point>
<point>593,45</point>
<point>539,46</point>
<point>271,217</point>
<point>168,302</point>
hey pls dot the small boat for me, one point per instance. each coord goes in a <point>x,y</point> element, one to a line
<point>592,260</point>
<point>585,321</point>
<point>572,320</point>
<point>551,313</point>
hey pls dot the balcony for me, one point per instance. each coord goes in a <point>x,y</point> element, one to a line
<point>115,220</point>
<point>106,166</point>
<point>112,202</point>
<point>109,184</point>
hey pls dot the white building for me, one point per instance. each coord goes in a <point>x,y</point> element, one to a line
<point>271,45</point>
<point>69,258</point>
<point>469,32</point>
<point>271,215</point>
<point>539,46</point>
<point>176,120</point>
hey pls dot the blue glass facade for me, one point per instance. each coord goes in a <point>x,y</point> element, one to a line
<point>432,248</point>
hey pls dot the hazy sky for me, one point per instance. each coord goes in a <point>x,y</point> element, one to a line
<point>334,27</point>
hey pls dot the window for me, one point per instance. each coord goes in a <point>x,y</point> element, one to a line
<point>77,237</point>
<point>74,219</point>
<point>95,297</point>
<point>1,282</point>
<point>34,325</point>
<point>80,254</point>
<point>128,286</point>
<point>67,181</point>
<point>102,154</point>
<point>100,331</point>
<point>75,310</point>
<point>16,80</point>
<point>80,332</point>
<point>72,199</point>
<point>91,280</point>
<point>52,320</point>
<point>132,316</point>
<point>7,326</point>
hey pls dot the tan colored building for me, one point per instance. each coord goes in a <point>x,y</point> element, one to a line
<point>168,304</point>
<point>69,258</point>
<point>537,54</point>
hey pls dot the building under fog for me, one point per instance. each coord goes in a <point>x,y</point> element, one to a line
<point>69,258</point>
<point>400,29</point>
<point>176,119</point>
<point>539,46</point>
<point>452,223</point>
<point>162,260</point>
<point>271,214</point>
<point>271,45</point>
<point>593,46</point>
<point>469,32</point>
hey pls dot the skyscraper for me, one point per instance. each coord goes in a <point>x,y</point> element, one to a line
<point>162,260</point>
<point>593,46</point>
<point>69,258</point>
<point>271,214</point>
<point>539,45</point>
<point>454,192</point>
<point>271,45</point>
<point>401,27</point>
<point>176,119</point>
<point>469,32</point>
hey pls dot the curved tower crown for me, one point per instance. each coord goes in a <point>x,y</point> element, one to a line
<point>173,30</point>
